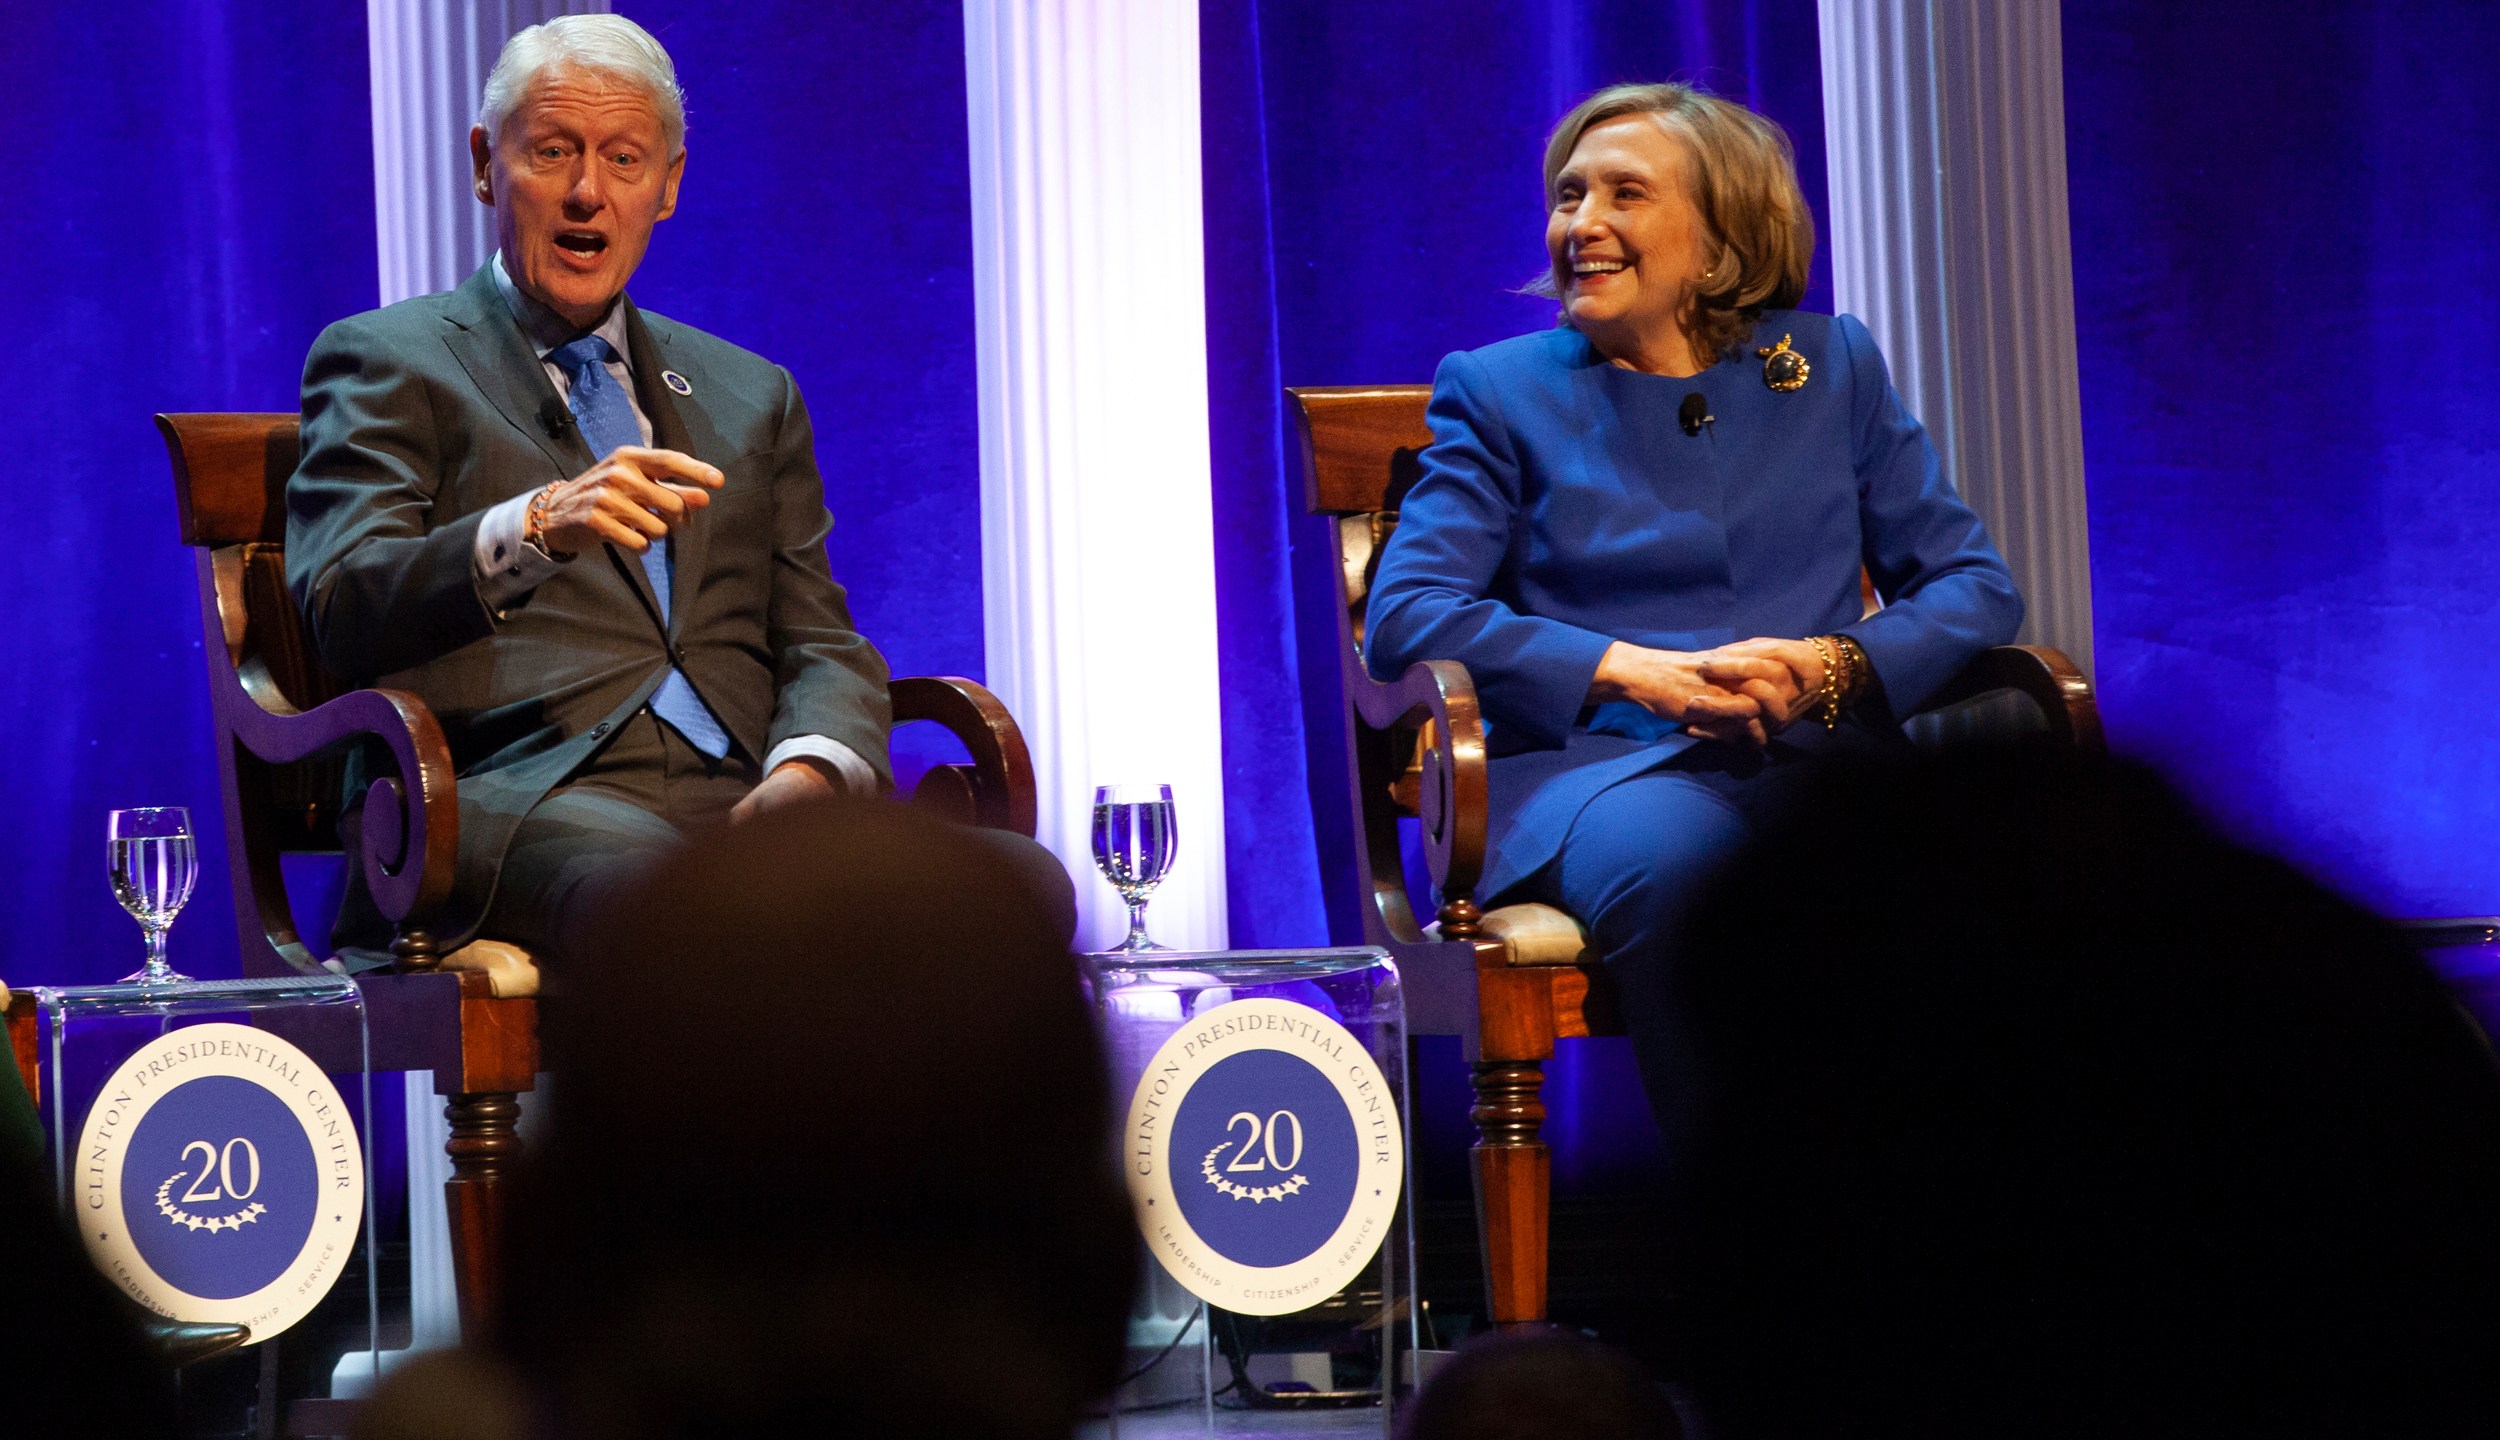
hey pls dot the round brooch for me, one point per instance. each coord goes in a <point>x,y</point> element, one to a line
<point>1784,369</point>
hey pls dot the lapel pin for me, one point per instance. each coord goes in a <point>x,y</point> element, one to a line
<point>677,382</point>
<point>1784,369</point>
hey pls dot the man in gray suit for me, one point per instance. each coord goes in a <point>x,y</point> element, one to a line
<point>590,538</point>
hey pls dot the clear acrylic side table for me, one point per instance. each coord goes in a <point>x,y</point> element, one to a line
<point>1270,1088</point>
<point>242,1230</point>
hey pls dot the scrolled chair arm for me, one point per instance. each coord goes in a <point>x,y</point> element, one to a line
<point>2040,673</point>
<point>997,790</point>
<point>1439,698</point>
<point>411,841</point>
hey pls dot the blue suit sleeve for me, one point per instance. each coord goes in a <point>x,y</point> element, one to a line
<point>1432,596</point>
<point>1947,593</point>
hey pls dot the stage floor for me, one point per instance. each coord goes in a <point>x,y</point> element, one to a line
<point>1180,1421</point>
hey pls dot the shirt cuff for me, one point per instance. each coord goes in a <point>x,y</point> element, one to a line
<point>856,776</point>
<point>508,567</point>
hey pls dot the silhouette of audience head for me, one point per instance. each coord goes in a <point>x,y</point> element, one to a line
<point>829,1151</point>
<point>2029,1105</point>
<point>1540,1385</point>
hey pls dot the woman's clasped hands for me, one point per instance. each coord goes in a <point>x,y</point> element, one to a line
<point>1743,693</point>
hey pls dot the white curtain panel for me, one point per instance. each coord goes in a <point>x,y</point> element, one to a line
<point>1096,520</point>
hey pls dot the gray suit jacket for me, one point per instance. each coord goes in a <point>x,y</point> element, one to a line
<point>421,416</point>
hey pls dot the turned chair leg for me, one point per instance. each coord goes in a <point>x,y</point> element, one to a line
<point>1514,1187</point>
<point>483,1145</point>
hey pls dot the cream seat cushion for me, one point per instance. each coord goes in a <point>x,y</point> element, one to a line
<point>509,969</point>
<point>1538,935</point>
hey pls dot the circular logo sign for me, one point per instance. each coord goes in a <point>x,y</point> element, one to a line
<point>219,1179</point>
<point>1264,1155</point>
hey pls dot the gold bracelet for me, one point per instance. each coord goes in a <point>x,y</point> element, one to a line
<point>1859,669</point>
<point>1829,692</point>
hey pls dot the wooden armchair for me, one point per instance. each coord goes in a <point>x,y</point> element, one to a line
<point>283,725</point>
<point>1514,981</point>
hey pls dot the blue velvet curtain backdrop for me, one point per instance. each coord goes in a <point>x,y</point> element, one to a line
<point>2286,244</point>
<point>193,188</point>
<point>1374,199</point>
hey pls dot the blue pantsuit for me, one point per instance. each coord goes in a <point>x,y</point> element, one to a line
<point>1563,507</point>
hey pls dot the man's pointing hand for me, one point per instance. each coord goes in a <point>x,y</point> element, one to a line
<point>632,498</point>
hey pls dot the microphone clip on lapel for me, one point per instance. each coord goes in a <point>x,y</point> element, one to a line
<point>1694,413</point>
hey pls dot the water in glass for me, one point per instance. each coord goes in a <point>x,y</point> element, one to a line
<point>1134,841</point>
<point>154,863</point>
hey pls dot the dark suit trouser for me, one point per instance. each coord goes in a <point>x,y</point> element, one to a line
<point>584,846</point>
<point>581,847</point>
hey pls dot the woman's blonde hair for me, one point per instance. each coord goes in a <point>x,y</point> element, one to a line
<point>1744,183</point>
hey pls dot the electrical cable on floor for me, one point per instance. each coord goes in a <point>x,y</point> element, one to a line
<point>1163,1354</point>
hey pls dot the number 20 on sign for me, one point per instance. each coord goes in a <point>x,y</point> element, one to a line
<point>219,1179</point>
<point>1264,1156</point>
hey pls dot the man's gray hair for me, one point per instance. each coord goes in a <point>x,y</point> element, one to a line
<point>610,45</point>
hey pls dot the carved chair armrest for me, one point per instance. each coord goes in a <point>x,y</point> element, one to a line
<point>996,790</point>
<point>2042,674</point>
<point>1446,769</point>
<point>411,825</point>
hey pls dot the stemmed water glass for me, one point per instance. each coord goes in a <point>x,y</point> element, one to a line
<point>1134,841</point>
<point>154,865</point>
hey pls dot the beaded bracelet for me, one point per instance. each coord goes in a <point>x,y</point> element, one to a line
<point>1859,669</point>
<point>534,525</point>
<point>1829,692</point>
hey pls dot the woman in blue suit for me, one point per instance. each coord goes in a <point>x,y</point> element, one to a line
<point>1642,533</point>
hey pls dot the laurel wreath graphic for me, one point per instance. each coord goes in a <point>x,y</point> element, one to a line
<point>1255,1194</point>
<point>180,1216</point>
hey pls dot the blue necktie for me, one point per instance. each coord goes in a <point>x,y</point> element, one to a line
<point>607,421</point>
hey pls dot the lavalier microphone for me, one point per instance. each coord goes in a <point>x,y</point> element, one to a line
<point>555,419</point>
<point>1694,413</point>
